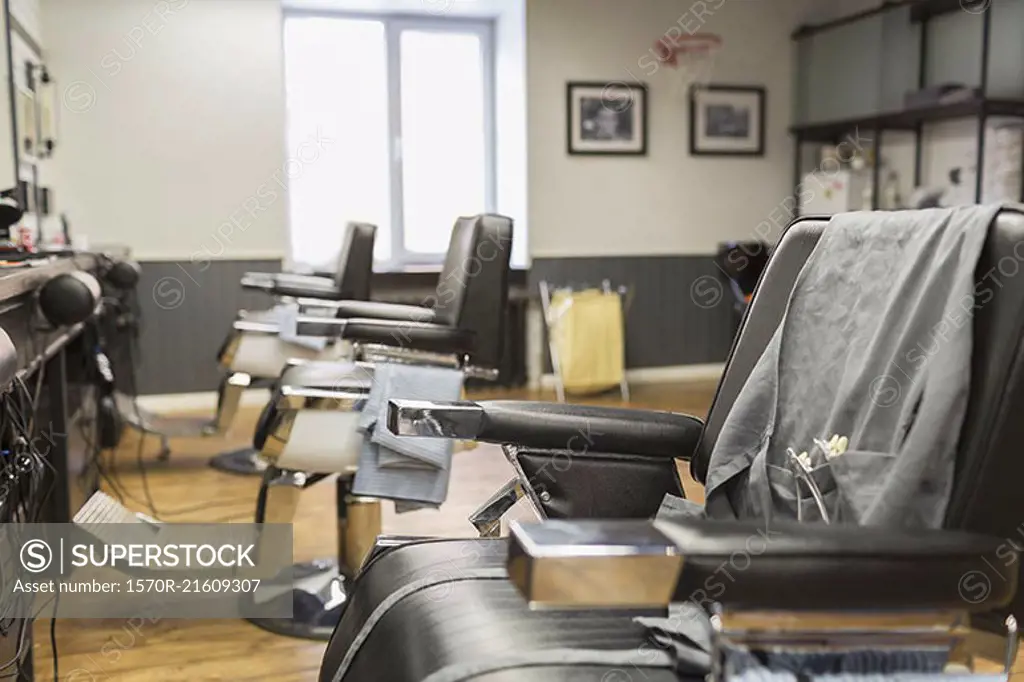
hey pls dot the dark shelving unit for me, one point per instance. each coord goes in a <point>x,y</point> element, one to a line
<point>921,13</point>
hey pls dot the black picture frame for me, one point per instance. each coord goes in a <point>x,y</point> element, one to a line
<point>639,103</point>
<point>743,92</point>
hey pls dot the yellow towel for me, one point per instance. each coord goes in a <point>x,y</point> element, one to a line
<point>586,330</point>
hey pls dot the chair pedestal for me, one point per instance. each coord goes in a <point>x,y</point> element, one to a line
<point>320,587</point>
<point>242,462</point>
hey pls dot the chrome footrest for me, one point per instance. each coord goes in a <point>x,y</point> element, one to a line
<point>868,643</point>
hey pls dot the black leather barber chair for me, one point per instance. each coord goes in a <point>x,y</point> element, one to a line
<point>308,431</point>
<point>741,265</point>
<point>596,474</point>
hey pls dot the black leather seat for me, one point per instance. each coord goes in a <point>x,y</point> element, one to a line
<point>855,567</point>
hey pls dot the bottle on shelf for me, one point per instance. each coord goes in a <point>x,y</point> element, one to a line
<point>867,197</point>
<point>891,193</point>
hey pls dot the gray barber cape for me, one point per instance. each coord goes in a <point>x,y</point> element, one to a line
<point>875,345</point>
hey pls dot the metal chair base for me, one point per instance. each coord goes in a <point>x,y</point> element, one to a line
<point>149,422</point>
<point>243,462</point>
<point>318,599</point>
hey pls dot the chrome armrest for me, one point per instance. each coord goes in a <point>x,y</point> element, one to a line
<point>258,280</point>
<point>487,518</point>
<point>312,304</point>
<point>459,419</point>
<point>231,390</point>
<point>313,398</point>
<point>593,564</point>
<point>255,327</point>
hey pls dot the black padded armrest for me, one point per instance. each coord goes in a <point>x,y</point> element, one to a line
<point>551,426</point>
<point>305,286</point>
<point>418,336</point>
<point>748,565</point>
<point>374,310</point>
<point>288,284</point>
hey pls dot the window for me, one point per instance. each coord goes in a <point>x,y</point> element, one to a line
<point>405,110</point>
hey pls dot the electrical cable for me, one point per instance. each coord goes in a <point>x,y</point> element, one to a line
<point>148,499</point>
<point>53,637</point>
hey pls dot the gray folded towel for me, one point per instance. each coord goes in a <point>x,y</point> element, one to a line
<point>287,318</point>
<point>412,471</point>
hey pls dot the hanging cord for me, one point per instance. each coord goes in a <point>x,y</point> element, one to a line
<point>148,500</point>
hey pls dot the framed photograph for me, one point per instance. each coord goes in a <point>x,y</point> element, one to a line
<point>727,120</point>
<point>607,118</point>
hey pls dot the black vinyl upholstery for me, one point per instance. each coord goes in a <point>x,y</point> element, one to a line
<point>472,291</point>
<point>467,617</point>
<point>433,627</point>
<point>292,284</point>
<point>355,266</point>
<point>805,566</point>
<point>421,336</point>
<point>378,310</point>
<point>536,424</point>
<point>590,484</point>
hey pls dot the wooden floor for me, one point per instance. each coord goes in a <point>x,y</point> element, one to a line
<point>182,650</point>
<point>186,489</point>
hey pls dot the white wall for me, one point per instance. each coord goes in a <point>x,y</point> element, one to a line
<point>173,126</point>
<point>28,13</point>
<point>666,202</point>
<point>820,11</point>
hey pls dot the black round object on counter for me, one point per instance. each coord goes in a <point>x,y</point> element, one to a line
<point>10,212</point>
<point>69,298</point>
<point>123,274</point>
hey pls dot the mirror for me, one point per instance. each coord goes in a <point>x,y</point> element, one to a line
<point>8,155</point>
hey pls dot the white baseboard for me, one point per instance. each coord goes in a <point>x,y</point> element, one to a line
<point>662,375</point>
<point>196,402</point>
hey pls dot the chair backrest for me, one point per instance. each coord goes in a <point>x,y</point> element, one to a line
<point>355,262</point>
<point>472,291</point>
<point>743,263</point>
<point>989,470</point>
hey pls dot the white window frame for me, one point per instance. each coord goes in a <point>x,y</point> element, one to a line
<point>394,25</point>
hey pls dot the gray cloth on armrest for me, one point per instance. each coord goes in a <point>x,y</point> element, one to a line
<point>412,471</point>
<point>875,345</point>
<point>287,319</point>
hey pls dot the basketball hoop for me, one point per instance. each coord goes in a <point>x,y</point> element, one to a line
<point>691,58</point>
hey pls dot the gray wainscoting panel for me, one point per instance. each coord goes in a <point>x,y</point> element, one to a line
<point>187,310</point>
<point>682,313</point>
